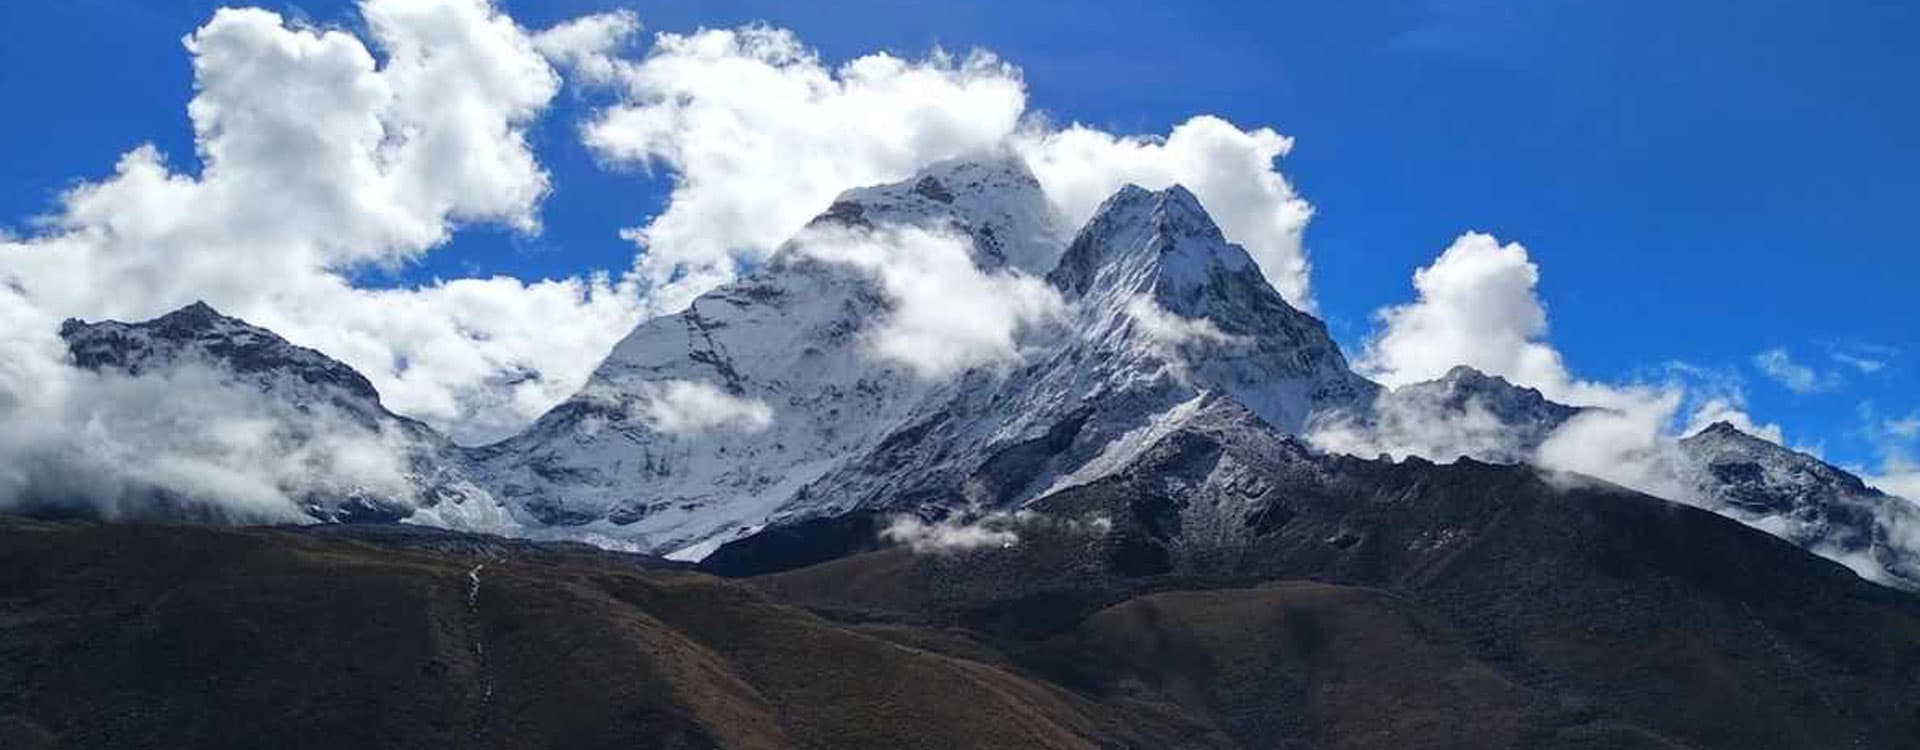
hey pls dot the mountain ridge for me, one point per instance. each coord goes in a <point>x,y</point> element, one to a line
<point>789,417</point>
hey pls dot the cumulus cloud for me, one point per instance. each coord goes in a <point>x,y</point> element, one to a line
<point>684,406</point>
<point>946,315</point>
<point>325,153</point>
<point>1230,170</point>
<point>589,44</point>
<point>1779,365</point>
<point>319,159</point>
<point>1476,306</point>
<point>759,134</point>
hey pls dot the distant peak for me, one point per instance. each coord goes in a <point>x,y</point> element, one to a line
<point>1722,428</point>
<point>197,312</point>
<point>991,196</point>
<point>195,317</point>
<point>947,180</point>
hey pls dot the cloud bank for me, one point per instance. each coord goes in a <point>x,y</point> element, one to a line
<point>759,134</point>
<point>319,160</point>
<point>324,153</point>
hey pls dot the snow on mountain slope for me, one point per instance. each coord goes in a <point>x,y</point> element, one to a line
<point>787,348</point>
<point>1164,313</point>
<point>1806,501</point>
<point>992,199</point>
<point>299,403</point>
<point>1160,310</point>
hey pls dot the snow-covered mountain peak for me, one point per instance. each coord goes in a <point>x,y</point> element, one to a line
<point>199,334</point>
<point>1161,293</point>
<point>1463,383</point>
<point>1149,242</point>
<point>1751,470</point>
<point>1465,412</point>
<point>302,404</point>
<point>992,198</point>
<point>1726,431</point>
<point>1805,500</point>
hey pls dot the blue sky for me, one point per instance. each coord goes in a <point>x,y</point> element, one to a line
<point>1699,182</point>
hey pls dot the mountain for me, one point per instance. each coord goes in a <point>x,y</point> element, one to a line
<point>1463,413</point>
<point>1805,501</point>
<point>306,399</point>
<point>1161,309</point>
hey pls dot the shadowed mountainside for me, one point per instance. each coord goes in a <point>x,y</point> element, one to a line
<point>1541,609</point>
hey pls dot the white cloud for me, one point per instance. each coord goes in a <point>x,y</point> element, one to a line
<point>971,530</point>
<point>184,438</point>
<point>760,134</point>
<point>326,152</point>
<point>588,44</point>
<point>1172,330</point>
<point>1230,170</point>
<point>947,537</point>
<point>1477,305</point>
<point>946,315</point>
<point>319,160</point>
<point>683,406</point>
<point>1778,364</point>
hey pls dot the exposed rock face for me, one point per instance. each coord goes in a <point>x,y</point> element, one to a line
<point>1806,501</point>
